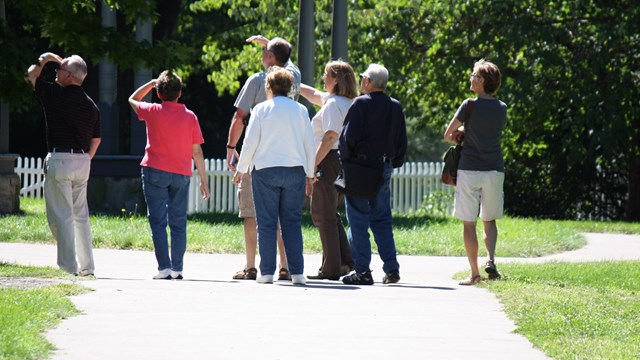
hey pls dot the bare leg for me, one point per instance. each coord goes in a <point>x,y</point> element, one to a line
<point>471,246</point>
<point>490,238</point>
<point>250,241</point>
<point>283,255</point>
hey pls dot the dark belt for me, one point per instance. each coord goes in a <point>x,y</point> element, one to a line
<point>383,159</point>
<point>68,150</point>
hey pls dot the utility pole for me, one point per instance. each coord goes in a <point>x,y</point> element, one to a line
<point>339,46</point>
<point>306,48</point>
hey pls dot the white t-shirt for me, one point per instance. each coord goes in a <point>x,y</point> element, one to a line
<point>330,117</point>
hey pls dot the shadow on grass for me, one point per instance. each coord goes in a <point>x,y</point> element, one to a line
<point>20,213</point>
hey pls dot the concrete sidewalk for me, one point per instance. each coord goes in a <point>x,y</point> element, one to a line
<point>209,316</point>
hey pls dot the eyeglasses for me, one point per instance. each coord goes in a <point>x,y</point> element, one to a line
<point>475,75</point>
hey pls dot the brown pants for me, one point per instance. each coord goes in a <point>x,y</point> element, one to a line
<point>336,251</point>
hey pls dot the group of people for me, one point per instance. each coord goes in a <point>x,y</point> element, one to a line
<point>285,156</point>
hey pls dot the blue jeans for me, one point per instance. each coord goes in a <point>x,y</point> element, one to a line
<point>376,213</point>
<point>278,193</point>
<point>167,196</point>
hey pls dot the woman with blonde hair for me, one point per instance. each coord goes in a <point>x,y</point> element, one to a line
<point>340,87</point>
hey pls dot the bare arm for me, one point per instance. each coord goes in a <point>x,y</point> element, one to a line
<point>140,93</point>
<point>235,131</point>
<point>34,70</point>
<point>308,186</point>
<point>328,139</point>
<point>453,127</point>
<point>312,94</point>
<point>198,159</point>
<point>258,39</point>
<point>93,147</point>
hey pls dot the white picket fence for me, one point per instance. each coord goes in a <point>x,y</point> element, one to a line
<point>31,174</point>
<point>410,184</point>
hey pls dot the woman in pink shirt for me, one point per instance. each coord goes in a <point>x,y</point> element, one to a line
<point>173,140</point>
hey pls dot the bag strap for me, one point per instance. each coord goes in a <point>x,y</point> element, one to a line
<point>467,111</point>
<point>389,126</point>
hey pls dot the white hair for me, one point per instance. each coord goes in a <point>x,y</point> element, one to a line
<point>77,68</point>
<point>378,74</point>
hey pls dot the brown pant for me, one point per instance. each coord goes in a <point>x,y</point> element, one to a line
<point>336,251</point>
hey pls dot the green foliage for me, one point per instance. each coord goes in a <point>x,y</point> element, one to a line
<point>435,203</point>
<point>570,78</point>
<point>225,54</point>
<point>75,27</point>
<point>571,75</point>
<point>575,311</point>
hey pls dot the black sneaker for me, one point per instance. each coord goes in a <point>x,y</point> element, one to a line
<point>391,277</point>
<point>358,278</point>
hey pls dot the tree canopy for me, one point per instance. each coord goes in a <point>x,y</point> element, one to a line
<point>571,74</point>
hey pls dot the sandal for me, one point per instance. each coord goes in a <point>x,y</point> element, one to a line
<point>490,268</point>
<point>471,281</point>
<point>283,274</point>
<point>246,274</point>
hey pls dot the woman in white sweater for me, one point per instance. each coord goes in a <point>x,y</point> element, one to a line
<point>279,151</point>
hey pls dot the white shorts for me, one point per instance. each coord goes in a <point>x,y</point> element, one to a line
<point>479,193</point>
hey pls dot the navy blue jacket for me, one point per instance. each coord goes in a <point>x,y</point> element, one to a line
<point>366,129</point>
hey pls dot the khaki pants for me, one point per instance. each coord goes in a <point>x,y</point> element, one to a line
<point>65,194</point>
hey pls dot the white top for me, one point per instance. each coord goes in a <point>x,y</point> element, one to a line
<point>279,134</point>
<point>330,117</point>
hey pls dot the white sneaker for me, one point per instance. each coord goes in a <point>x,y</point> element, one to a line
<point>298,279</point>
<point>176,275</point>
<point>164,274</point>
<point>265,279</point>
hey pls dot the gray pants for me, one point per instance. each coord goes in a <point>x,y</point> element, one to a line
<point>65,194</point>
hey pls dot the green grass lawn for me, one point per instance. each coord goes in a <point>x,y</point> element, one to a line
<point>575,311</point>
<point>415,234</point>
<point>26,313</point>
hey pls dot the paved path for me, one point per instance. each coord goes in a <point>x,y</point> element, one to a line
<point>209,316</point>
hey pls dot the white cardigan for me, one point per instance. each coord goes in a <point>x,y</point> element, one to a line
<point>279,134</point>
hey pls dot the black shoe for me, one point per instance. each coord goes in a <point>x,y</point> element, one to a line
<point>358,278</point>
<point>391,277</point>
<point>321,276</point>
<point>490,268</point>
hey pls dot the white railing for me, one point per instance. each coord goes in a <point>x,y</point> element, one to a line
<point>410,185</point>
